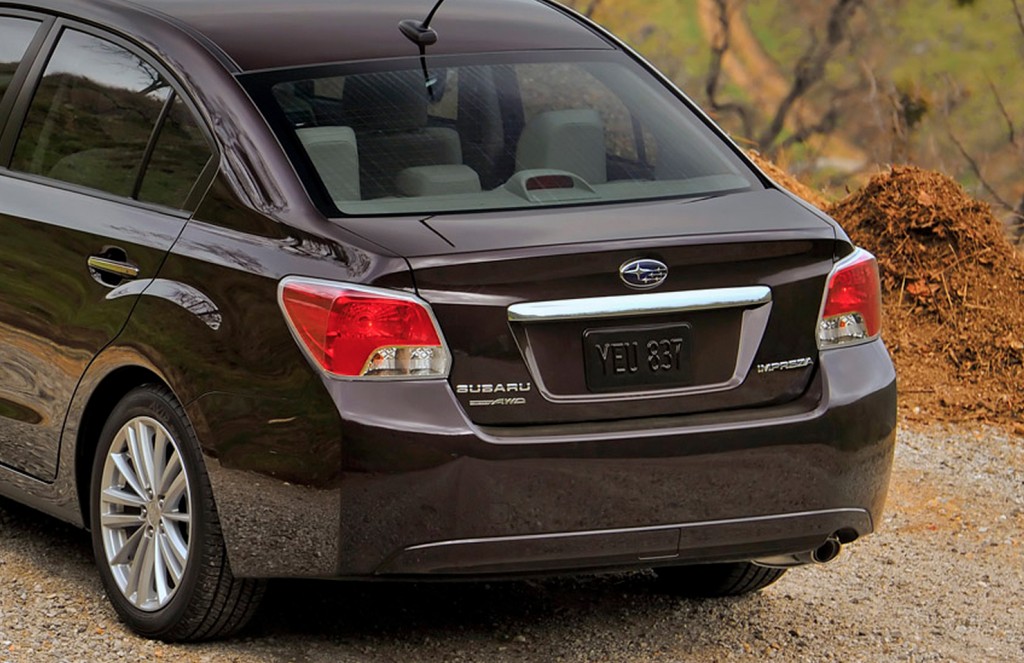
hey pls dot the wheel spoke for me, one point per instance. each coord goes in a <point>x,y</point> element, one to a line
<point>171,473</point>
<point>159,466</point>
<point>121,520</point>
<point>176,489</point>
<point>146,568</point>
<point>124,466</point>
<point>135,455</point>
<point>122,498</point>
<point>130,547</point>
<point>137,566</point>
<point>142,452</point>
<point>159,570</point>
<point>178,545</point>
<point>174,560</point>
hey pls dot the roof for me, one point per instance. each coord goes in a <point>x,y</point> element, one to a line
<point>269,34</point>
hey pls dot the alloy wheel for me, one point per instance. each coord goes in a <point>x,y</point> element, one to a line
<point>145,509</point>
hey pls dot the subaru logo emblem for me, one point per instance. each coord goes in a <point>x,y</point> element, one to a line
<point>643,274</point>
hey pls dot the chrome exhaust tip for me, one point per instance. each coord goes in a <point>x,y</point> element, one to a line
<point>827,551</point>
<point>823,554</point>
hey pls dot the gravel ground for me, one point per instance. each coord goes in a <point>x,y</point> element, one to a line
<point>942,581</point>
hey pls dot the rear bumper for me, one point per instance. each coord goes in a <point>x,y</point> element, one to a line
<point>421,491</point>
<point>712,541</point>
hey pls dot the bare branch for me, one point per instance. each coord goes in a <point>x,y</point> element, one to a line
<point>826,125</point>
<point>719,47</point>
<point>976,169</point>
<point>591,8</point>
<point>1010,127</point>
<point>1020,15</point>
<point>810,67</point>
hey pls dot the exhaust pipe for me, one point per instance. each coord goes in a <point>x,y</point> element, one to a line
<point>823,554</point>
<point>827,551</point>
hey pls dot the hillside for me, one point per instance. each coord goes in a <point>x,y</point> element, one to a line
<point>931,83</point>
<point>948,58</point>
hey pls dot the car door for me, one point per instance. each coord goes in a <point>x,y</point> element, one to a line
<point>100,159</point>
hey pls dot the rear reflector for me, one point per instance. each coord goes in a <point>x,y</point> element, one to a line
<point>852,310</point>
<point>355,331</point>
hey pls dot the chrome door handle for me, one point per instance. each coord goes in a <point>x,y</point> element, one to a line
<point>120,269</point>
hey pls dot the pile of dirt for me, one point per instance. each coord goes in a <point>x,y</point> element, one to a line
<point>953,289</point>
<point>788,181</point>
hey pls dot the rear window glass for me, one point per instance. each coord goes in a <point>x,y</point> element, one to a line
<point>493,132</point>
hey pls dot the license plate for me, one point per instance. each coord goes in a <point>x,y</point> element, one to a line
<point>637,358</point>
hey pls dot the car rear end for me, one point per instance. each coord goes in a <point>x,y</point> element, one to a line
<point>528,455</point>
<point>624,347</point>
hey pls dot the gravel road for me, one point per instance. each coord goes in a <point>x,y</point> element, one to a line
<point>942,581</point>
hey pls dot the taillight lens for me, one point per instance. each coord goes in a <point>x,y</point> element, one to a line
<point>354,331</point>
<point>852,311</point>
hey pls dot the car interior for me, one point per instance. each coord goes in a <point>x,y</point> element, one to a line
<point>485,137</point>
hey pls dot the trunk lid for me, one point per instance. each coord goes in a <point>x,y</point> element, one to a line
<point>544,330</point>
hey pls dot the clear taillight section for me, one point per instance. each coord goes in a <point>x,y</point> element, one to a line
<point>852,309</point>
<point>359,332</point>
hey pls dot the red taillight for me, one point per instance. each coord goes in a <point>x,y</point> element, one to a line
<point>852,311</point>
<point>354,331</point>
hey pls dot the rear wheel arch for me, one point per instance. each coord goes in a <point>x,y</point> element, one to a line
<point>104,398</point>
<point>156,534</point>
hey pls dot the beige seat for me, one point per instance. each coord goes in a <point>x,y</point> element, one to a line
<point>335,154</point>
<point>569,140</point>
<point>437,180</point>
<point>388,112</point>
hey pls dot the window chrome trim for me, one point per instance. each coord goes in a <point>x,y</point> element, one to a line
<point>596,308</point>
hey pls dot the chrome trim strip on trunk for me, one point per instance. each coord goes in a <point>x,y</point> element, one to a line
<point>646,304</point>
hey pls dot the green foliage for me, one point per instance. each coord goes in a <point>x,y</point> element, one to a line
<point>934,67</point>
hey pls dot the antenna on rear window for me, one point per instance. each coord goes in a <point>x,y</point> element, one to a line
<point>421,34</point>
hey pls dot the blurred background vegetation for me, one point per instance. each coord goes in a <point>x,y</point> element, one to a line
<point>834,90</point>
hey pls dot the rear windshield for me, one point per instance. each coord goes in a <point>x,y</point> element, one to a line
<point>492,132</point>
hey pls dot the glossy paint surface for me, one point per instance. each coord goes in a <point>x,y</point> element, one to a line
<point>260,34</point>
<point>55,315</point>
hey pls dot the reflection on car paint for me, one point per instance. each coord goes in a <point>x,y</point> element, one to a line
<point>185,296</point>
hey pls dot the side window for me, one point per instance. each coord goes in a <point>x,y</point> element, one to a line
<point>179,157</point>
<point>92,116</point>
<point>15,36</point>
<point>94,122</point>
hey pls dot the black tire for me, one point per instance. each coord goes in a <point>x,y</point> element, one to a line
<point>716,580</point>
<point>200,598</point>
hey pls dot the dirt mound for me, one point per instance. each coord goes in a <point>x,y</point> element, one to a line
<point>954,295</point>
<point>788,181</point>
